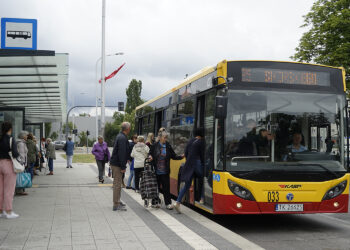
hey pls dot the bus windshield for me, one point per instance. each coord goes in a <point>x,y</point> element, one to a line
<point>270,130</point>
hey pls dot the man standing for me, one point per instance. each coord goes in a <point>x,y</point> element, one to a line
<point>118,162</point>
<point>69,148</point>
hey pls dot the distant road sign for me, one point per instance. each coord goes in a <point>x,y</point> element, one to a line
<point>17,33</point>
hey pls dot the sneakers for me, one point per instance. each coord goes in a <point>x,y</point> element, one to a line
<point>177,207</point>
<point>170,207</point>
<point>119,208</point>
<point>67,167</point>
<point>128,187</point>
<point>70,166</point>
<point>122,203</point>
<point>12,215</point>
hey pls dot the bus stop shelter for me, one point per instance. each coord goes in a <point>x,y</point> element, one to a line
<point>33,88</point>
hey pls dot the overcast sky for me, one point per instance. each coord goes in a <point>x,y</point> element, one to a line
<point>162,40</point>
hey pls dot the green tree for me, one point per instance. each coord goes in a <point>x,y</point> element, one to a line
<point>111,131</point>
<point>82,140</point>
<point>112,128</point>
<point>133,95</point>
<point>131,119</point>
<point>48,127</point>
<point>328,40</point>
<point>118,117</point>
<point>53,136</point>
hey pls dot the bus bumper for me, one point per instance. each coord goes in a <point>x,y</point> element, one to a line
<point>231,204</point>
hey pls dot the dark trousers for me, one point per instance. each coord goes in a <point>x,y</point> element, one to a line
<point>101,169</point>
<point>50,162</point>
<point>30,169</point>
<point>164,181</point>
<point>137,175</point>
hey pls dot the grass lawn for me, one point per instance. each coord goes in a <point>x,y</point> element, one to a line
<point>82,158</point>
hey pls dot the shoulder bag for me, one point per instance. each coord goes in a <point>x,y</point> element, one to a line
<point>18,167</point>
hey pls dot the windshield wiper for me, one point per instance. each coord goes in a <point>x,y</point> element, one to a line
<point>317,165</point>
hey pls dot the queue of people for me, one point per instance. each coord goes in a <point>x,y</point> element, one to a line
<point>26,151</point>
<point>159,151</point>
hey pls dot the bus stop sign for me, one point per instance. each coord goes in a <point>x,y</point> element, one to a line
<point>17,33</point>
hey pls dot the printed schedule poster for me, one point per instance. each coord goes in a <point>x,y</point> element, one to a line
<point>18,33</point>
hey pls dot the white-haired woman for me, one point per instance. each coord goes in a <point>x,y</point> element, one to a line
<point>161,153</point>
<point>139,153</point>
<point>50,154</point>
<point>102,156</point>
<point>23,151</point>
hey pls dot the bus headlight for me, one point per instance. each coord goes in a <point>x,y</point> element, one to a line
<point>240,191</point>
<point>335,191</point>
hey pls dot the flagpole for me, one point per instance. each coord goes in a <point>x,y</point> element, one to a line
<point>103,56</point>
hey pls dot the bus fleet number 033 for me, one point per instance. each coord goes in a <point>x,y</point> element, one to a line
<point>273,196</point>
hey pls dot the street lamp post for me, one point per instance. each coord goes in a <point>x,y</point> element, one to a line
<point>97,81</point>
<point>103,56</point>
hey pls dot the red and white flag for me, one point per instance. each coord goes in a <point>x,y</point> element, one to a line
<point>113,73</point>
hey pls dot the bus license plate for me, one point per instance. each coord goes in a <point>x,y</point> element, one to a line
<point>289,208</point>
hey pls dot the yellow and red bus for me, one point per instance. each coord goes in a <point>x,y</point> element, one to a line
<point>275,135</point>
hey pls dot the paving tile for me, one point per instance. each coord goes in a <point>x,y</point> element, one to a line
<point>35,248</point>
<point>84,247</point>
<point>108,247</point>
<point>131,245</point>
<point>83,240</point>
<point>60,248</point>
<point>59,240</point>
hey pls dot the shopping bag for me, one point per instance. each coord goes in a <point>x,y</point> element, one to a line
<point>23,180</point>
<point>18,167</point>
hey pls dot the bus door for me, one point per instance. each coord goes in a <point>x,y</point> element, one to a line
<point>320,136</point>
<point>158,121</point>
<point>205,119</point>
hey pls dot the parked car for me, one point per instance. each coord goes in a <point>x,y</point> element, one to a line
<point>59,144</point>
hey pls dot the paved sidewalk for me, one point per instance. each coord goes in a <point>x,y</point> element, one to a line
<point>70,210</point>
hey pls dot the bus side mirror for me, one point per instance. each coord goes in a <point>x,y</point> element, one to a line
<point>221,107</point>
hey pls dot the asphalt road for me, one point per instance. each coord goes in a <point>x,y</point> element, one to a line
<point>302,231</point>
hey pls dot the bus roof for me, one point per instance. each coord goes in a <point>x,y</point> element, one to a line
<point>208,70</point>
<point>188,80</point>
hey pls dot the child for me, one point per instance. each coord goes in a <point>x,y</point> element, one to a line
<point>139,153</point>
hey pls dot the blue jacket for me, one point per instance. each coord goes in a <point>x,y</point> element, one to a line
<point>69,147</point>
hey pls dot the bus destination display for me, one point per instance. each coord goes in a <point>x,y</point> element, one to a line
<point>285,76</point>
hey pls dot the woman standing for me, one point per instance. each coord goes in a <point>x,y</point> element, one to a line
<point>150,140</point>
<point>102,156</point>
<point>23,151</point>
<point>50,154</point>
<point>139,153</point>
<point>7,174</point>
<point>161,153</point>
<point>31,155</point>
<point>194,165</point>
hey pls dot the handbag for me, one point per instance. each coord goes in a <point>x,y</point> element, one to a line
<point>105,158</point>
<point>18,167</point>
<point>23,180</point>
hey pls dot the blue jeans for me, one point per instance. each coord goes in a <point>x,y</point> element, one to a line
<point>131,179</point>
<point>30,169</point>
<point>50,162</point>
<point>198,171</point>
